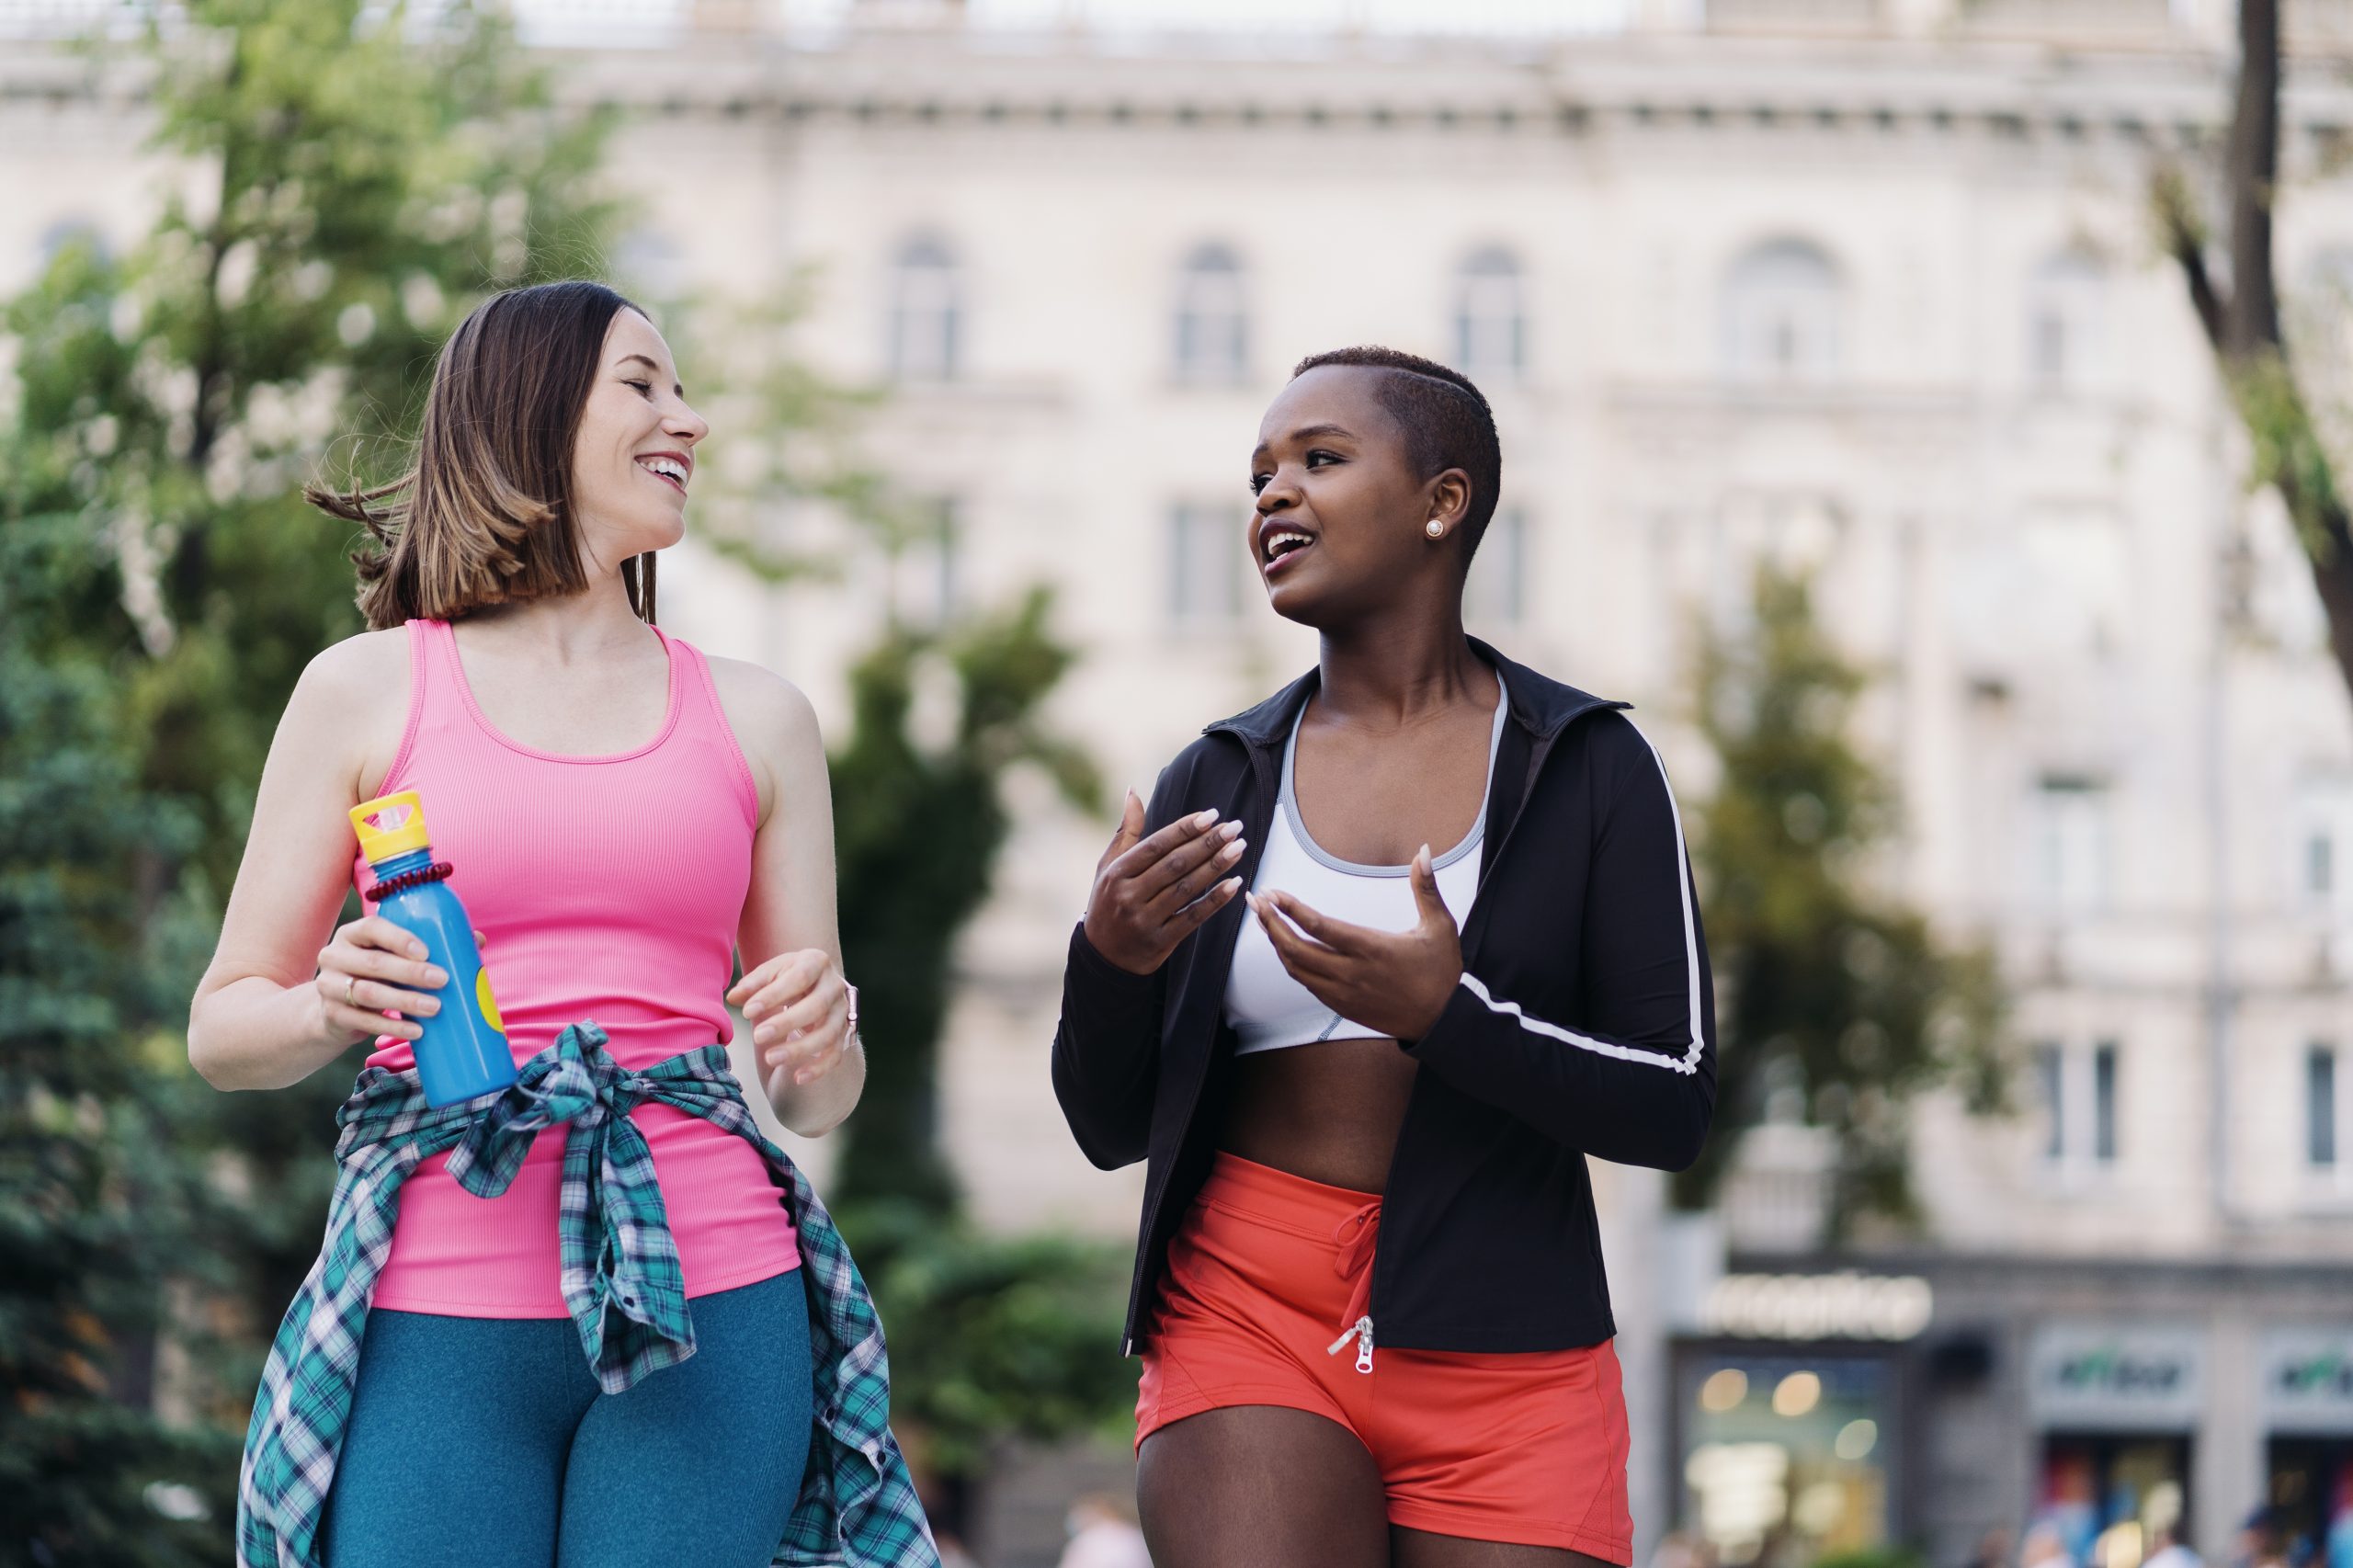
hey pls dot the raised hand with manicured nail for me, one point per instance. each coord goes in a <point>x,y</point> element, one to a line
<point>1395,981</point>
<point>1151,893</point>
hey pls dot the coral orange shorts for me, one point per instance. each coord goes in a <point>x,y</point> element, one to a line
<point>1269,1268</point>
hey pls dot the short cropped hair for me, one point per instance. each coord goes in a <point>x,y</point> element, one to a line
<point>1446,420</point>
<point>485,514</point>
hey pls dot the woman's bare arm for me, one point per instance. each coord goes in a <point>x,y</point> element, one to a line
<point>263,1015</point>
<point>791,936</point>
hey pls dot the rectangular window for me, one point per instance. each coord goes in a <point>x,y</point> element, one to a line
<point>2320,1106</point>
<point>1205,550</point>
<point>2072,844</point>
<point>1496,593</point>
<point>2322,826</point>
<point>2104,1102</point>
<point>2049,1066</point>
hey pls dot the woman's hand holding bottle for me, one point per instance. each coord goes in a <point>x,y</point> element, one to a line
<point>362,972</point>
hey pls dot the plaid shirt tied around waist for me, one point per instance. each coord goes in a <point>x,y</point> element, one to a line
<point>621,1280</point>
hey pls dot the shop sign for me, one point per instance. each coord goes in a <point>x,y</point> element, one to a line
<point>2100,1376</point>
<point>1848,1305</point>
<point>2308,1379</point>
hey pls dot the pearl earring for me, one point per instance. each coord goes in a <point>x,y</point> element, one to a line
<point>1435,529</point>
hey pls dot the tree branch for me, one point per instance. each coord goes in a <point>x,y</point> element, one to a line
<point>2184,237</point>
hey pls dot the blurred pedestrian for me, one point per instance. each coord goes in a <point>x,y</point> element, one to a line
<point>2045,1547</point>
<point>2263,1539</point>
<point>1103,1534</point>
<point>2167,1550</point>
<point>603,1340</point>
<point>1365,1100</point>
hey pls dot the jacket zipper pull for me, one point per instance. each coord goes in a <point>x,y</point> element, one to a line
<point>1361,1332</point>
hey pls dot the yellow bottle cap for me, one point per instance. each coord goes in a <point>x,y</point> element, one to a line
<point>389,825</point>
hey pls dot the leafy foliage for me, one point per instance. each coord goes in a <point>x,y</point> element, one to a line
<point>1825,985</point>
<point>992,1337</point>
<point>96,1207</point>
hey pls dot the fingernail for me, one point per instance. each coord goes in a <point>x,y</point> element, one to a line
<point>1230,829</point>
<point>1203,819</point>
<point>416,950</point>
<point>427,1007</point>
<point>435,977</point>
<point>800,1077</point>
<point>1231,853</point>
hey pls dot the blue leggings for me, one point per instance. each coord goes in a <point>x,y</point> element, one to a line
<point>487,1442</point>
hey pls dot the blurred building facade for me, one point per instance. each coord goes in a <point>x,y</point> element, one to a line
<point>1868,285</point>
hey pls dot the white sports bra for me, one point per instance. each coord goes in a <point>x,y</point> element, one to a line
<point>1268,1008</point>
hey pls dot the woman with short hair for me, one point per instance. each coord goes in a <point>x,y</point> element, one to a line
<point>1366,1088</point>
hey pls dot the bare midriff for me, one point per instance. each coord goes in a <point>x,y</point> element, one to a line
<point>1329,1112</point>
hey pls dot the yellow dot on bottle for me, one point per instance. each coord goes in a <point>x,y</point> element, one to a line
<point>489,1002</point>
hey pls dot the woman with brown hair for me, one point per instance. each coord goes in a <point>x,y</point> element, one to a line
<point>597,1318</point>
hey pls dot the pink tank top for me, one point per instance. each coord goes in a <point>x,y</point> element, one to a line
<point>609,888</point>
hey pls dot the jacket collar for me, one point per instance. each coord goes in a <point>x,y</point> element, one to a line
<point>1540,704</point>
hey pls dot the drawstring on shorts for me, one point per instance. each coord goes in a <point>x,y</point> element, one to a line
<point>1355,1236</point>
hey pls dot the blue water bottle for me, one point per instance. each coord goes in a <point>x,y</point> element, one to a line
<point>462,1051</point>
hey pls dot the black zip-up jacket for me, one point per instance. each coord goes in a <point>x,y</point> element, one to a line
<point>1583,1024</point>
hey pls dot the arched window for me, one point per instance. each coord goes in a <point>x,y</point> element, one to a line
<point>2064,299</point>
<point>926,325</point>
<point>1490,330</point>
<point>1212,318</point>
<point>1782,305</point>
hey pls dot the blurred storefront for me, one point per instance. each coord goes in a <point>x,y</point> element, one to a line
<point>2115,1411</point>
<point>2308,1441</point>
<point>1847,1403</point>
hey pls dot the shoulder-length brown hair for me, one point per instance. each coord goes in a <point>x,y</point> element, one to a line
<point>485,517</point>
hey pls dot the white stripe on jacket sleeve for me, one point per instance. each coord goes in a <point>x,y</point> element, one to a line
<point>1690,1061</point>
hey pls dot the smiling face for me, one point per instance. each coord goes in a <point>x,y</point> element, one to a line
<point>634,454</point>
<point>1341,518</point>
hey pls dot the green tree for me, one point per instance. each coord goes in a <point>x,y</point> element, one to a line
<point>918,833</point>
<point>96,1210</point>
<point>365,179</point>
<point>2233,290</point>
<point>1826,985</point>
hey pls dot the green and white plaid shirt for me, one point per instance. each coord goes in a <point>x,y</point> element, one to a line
<point>621,1280</point>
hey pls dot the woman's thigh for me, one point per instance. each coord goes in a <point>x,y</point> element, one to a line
<point>1260,1486</point>
<point>700,1463</point>
<point>454,1452</point>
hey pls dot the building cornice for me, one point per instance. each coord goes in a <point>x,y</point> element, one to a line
<point>2167,92</point>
